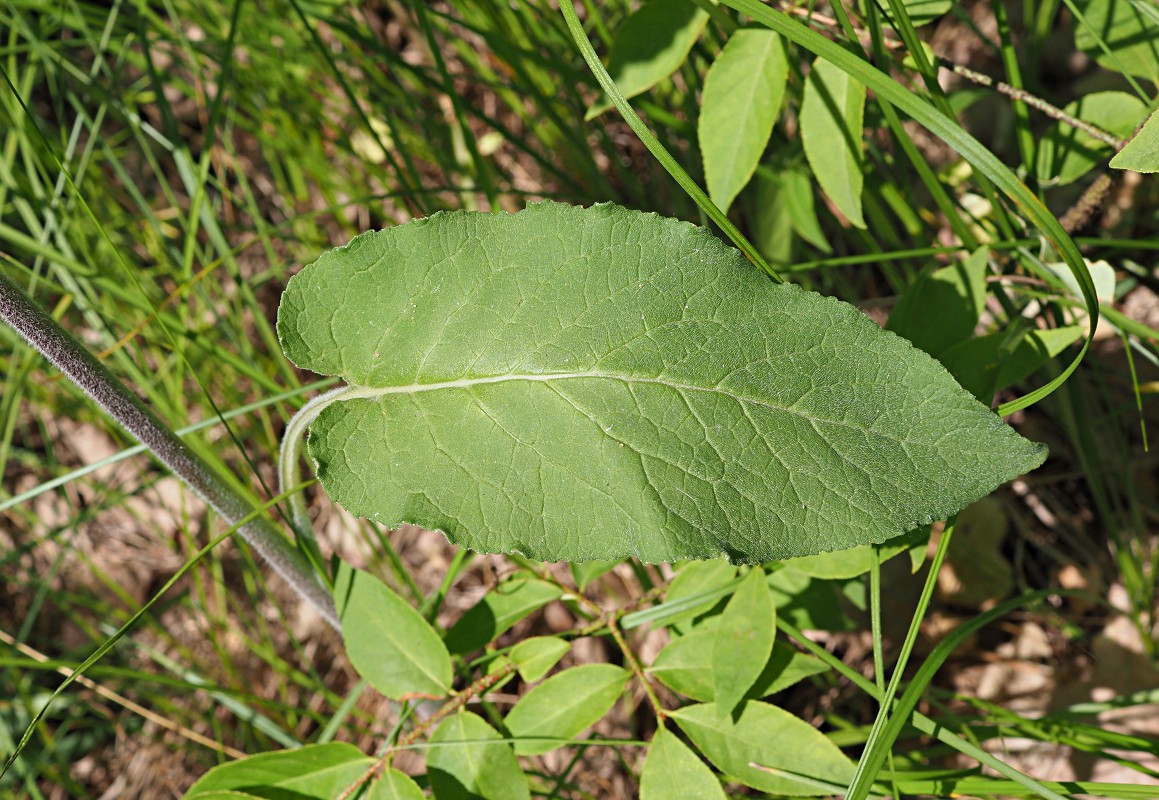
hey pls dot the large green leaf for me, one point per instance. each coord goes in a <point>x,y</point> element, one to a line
<point>742,640</point>
<point>388,642</point>
<point>673,772</point>
<point>742,96</point>
<point>589,383</point>
<point>831,115</point>
<point>564,705</point>
<point>470,761</point>
<point>650,45</point>
<point>769,737</point>
<point>321,771</point>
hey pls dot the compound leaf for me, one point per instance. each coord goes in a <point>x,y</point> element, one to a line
<point>590,383</point>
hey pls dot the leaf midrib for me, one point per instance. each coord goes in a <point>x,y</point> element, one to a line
<point>374,392</point>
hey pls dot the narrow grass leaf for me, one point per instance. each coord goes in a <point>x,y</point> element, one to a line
<point>685,666</point>
<point>742,641</point>
<point>1065,154</point>
<point>1141,153</point>
<point>650,45</point>
<point>499,609</point>
<point>771,737</point>
<point>320,771</point>
<point>563,706</point>
<point>469,761</point>
<point>673,772</point>
<point>921,12</point>
<point>535,657</point>
<point>831,116</point>
<point>588,383</point>
<point>389,642</point>
<point>742,97</point>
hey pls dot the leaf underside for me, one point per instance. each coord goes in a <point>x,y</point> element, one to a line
<point>590,383</point>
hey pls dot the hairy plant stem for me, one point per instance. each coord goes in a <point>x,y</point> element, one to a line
<point>81,367</point>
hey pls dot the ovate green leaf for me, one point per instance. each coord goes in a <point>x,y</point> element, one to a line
<point>469,761</point>
<point>742,640</point>
<point>650,45</point>
<point>564,705</point>
<point>1065,154</point>
<point>1129,32</point>
<point>320,771</point>
<point>499,609</point>
<point>831,115</point>
<point>742,96</point>
<point>673,772</point>
<point>389,642</point>
<point>1141,153</point>
<point>770,737</point>
<point>589,383</point>
<point>942,308</point>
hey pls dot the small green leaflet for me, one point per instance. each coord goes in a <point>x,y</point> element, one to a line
<point>388,642</point>
<point>808,764</point>
<point>742,641</point>
<point>590,383</point>
<point>563,706</point>
<point>470,761</point>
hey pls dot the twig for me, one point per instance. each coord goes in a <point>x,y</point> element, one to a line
<point>56,344</point>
